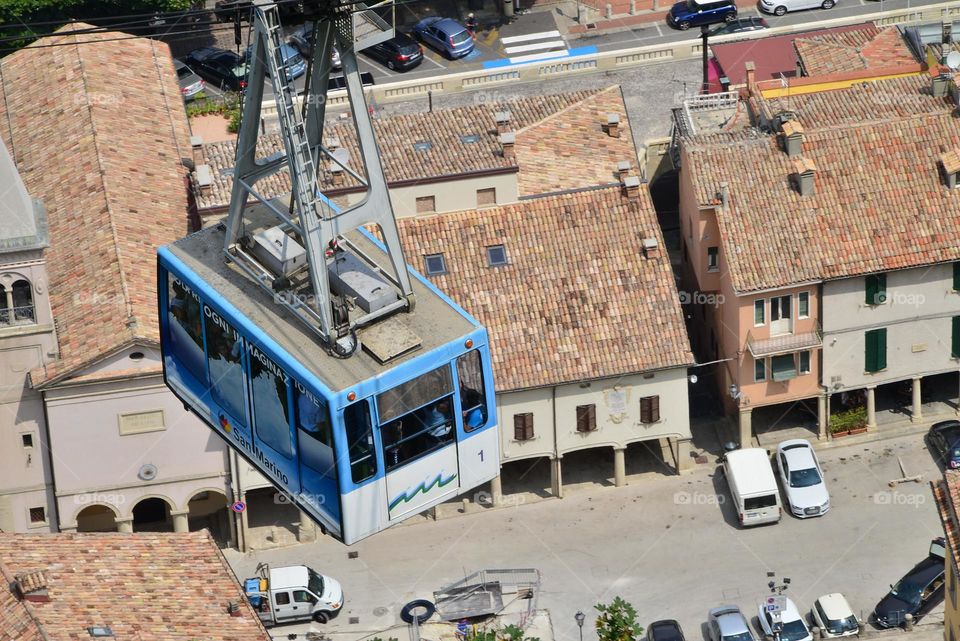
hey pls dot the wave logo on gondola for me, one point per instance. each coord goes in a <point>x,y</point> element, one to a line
<point>423,488</point>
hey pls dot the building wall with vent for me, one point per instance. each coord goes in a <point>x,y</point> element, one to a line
<point>453,195</point>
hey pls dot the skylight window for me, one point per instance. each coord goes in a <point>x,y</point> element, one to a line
<point>435,264</point>
<point>470,139</point>
<point>423,145</point>
<point>496,255</point>
<point>100,631</point>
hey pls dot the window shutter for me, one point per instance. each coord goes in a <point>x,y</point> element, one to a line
<point>870,351</point>
<point>650,409</point>
<point>586,418</point>
<point>955,338</point>
<point>872,288</point>
<point>523,426</point>
<point>876,350</point>
<point>956,276</point>
<point>882,347</point>
<point>876,289</point>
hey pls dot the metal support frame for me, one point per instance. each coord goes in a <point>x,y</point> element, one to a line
<point>312,220</point>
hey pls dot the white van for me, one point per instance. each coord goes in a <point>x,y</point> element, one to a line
<point>293,593</point>
<point>753,487</point>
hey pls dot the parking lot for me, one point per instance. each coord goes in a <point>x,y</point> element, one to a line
<point>669,545</point>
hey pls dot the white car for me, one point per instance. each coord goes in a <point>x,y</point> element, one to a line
<point>794,628</point>
<point>802,479</point>
<point>834,616</point>
<point>780,7</point>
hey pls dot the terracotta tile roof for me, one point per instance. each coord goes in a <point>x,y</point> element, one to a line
<point>577,299</point>
<point>564,118</point>
<point>156,587</point>
<point>946,494</point>
<point>104,157</point>
<point>838,51</point>
<point>879,201</point>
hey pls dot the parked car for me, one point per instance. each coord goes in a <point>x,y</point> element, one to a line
<point>802,479</point>
<point>190,83</point>
<point>740,25</point>
<point>337,82</point>
<point>793,627</point>
<point>727,623</point>
<point>300,39</point>
<point>780,7</point>
<point>753,487</point>
<point>447,36</point>
<point>696,13</point>
<point>399,53</point>
<point>293,62</point>
<point>222,68</point>
<point>834,616</point>
<point>918,592</point>
<point>665,630</point>
<point>944,438</point>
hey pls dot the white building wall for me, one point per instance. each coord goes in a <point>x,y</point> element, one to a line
<point>453,195</point>
<point>917,315</point>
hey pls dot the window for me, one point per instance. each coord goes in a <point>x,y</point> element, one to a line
<point>436,264</point>
<point>496,255</point>
<point>185,329</point>
<point>487,197</point>
<point>356,421</point>
<point>416,417</point>
<point>282,598</point>
<point>649,409</point>
<point>783,367</point>
<point>38,515</point>
<point>956,276</point>
<point>271,405</point>
<point>523,426</point>
<point>803,305</point>
<point>314,434</point>
<point>302,596</point>
<point>759,317</point>
<point>955,337</point>
<point>27,440</point>
<point>876,286</point>
<point>804,362</point>
<point>22,311</point>
<point>780,308</point>
<point>759,370</point>
<point>713,259</point>
<point>414,394</point>
<point>586,418</point>
<point>225,361</point>
<point>473,398</point>
<point>426,204</point>
<point>876,350</point>
<point>423,145</point>
<point>470,139</point>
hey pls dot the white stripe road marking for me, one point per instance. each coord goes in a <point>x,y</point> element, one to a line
<point>552,44</point>
<point>530,36</point>
<point>540,56</point>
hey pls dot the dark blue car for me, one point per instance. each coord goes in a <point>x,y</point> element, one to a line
<point>944,439</point>
<point>697,13</point>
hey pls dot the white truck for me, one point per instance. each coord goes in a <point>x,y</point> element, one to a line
<point>293,593</point>
<point>753,487</point>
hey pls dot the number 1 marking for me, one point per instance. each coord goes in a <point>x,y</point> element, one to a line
<point>480,453</point>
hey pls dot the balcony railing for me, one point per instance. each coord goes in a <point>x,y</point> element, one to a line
<point>17,316</point>
<point>785,343</point>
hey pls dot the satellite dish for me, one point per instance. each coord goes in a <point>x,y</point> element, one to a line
<point>953,60</point>
<point>148,472</point>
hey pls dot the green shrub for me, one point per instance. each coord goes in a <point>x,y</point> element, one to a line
<point>848,420</point>
<point>617,621</point>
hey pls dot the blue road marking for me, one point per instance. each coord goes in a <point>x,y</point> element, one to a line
<point>508,62</point>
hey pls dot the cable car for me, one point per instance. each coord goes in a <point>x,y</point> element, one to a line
<point>344,376</point>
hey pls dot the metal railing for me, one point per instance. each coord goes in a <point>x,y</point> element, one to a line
<point>23,315</point>
<point>791,342</point>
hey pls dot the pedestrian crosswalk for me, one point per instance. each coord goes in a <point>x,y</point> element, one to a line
<point>534,46</point>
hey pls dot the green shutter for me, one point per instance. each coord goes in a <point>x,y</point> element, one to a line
<point>876,289</point>
<point>876,350</point>
<point>956,276</point>
<point>955,337</point>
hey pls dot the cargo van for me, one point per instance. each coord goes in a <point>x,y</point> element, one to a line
<point>753,487</point>
<point>293,593</point>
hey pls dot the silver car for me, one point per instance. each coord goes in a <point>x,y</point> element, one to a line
<point>190,83</point>
<point>727,623</point>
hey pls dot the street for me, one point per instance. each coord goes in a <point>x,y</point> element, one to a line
<point>649,543</point>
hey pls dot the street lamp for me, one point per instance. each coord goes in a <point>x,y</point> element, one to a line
<point>580,616</point>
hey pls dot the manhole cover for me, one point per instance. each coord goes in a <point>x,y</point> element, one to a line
<point>379,612</point>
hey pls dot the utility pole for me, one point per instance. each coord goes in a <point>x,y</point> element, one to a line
<point>704,31</point>
<point>776,604</point>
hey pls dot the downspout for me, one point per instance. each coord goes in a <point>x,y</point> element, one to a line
<point>49,457</point>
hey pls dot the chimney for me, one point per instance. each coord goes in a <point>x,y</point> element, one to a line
<point>233,609</point>
<point>623,169</point>
<point>792,137</point>
<point>804,176</point>
<point>613,125</point>
<point>507,141</point>
<point>503,121</point>
<point>204,176</point>
<point>950,161</point>
<point>197,143</point>
<point>751,69</point>
<point>651,248</point>
<point>631,187</point>
<point>33,586</point>
<point>940,85</point>
<point>336,174</point>
<point>333,142</point>
<point>724,195</point>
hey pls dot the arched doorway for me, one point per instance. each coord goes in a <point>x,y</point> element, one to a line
<point>152,515</point>
<point>96,518</point>
<point>208,509</point>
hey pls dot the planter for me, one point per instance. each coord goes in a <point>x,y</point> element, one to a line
<point>858,430</point>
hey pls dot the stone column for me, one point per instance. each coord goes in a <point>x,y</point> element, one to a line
<point>872,407</point>
<point>746,427</point>
<point>307,531</point>
<point>822,417</point>
<point>916,411</point>
<point>619,466</point>
<point>556,478</point>
<point>68,528</point>
<point>124,524</point>
<point>244,524</point>
<point>496,490</point>
<point>684,450</point>
<point>180,522</point>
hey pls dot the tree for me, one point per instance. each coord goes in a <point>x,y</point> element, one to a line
<point>617,621</point>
